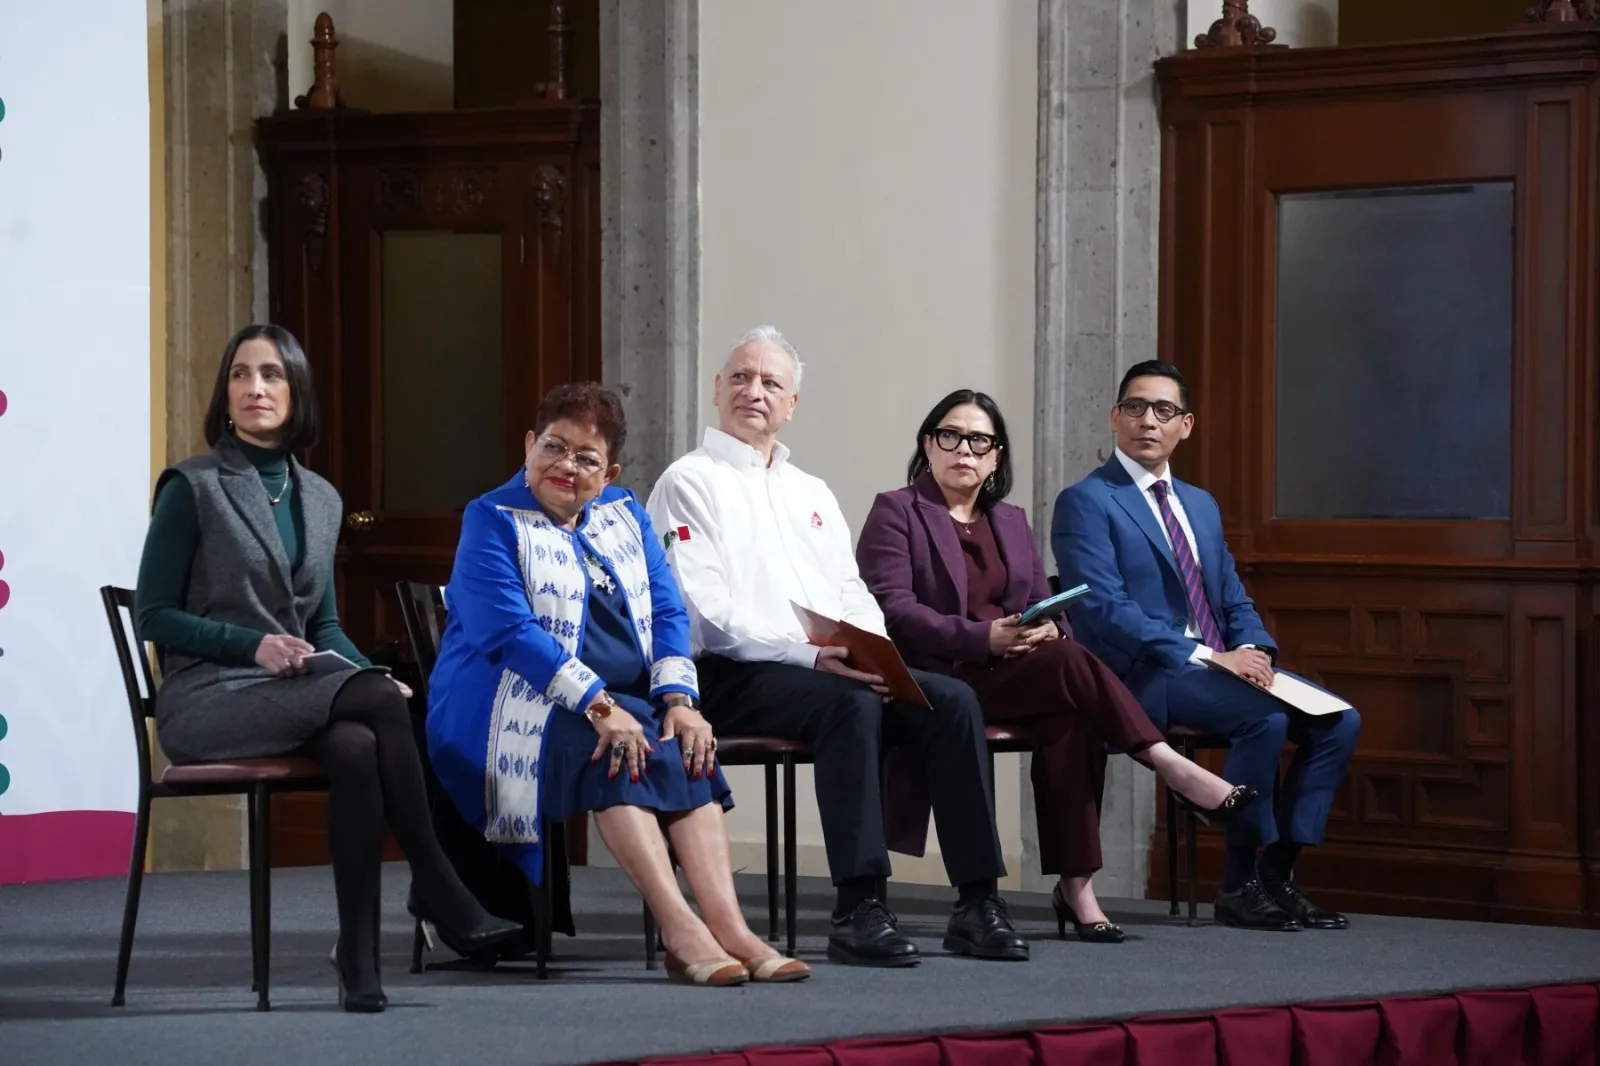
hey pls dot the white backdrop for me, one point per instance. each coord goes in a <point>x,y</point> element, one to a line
<point>75,373</point>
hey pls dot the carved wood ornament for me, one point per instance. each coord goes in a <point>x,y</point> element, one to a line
<point>1563,12</point>
<point>1237,28</point>
<point>550,193</point>
<point>459,191</point>
<point>311,194</point>
<point>560,32</point>
<point>324,94</point>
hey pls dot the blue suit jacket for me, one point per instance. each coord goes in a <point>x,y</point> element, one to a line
<point>1104,535</point>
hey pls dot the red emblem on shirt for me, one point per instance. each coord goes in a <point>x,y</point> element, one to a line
<point>683,532</point>
<point>816,520</point>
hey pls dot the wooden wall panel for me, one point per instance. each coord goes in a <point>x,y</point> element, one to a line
<point>1471,648</point>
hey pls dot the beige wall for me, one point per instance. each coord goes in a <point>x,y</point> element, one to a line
<point>394,55</point>
<point>867,185</point>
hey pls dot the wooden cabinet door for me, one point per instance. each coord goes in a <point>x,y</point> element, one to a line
<point>465,292</point>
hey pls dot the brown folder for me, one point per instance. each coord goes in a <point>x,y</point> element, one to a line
<point>869,653</point>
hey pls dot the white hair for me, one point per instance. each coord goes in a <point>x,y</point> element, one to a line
<point>771,335</point>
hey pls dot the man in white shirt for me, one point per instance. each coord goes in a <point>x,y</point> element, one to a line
<point>747,533</point>
<point>1164,597</point>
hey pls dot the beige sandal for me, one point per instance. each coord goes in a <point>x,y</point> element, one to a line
<point>718,973</point>
<point>776,970</point>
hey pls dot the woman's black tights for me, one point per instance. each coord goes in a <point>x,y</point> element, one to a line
<point>375,775</point>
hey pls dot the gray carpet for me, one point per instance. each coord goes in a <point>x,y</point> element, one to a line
<point>189,996</point>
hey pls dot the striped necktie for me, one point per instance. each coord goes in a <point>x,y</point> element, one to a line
<point>1189,570</point>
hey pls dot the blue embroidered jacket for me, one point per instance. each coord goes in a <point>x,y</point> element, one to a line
<point>517,602</point>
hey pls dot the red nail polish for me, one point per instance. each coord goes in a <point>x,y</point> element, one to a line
<point>635,778</point>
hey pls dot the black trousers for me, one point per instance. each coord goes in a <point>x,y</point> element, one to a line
<point>848,725</point>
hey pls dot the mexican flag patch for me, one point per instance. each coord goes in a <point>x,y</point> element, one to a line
<point>673,536</point>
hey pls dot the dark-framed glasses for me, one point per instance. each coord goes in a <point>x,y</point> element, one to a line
<point>950,439</point>
<point>1165,410</point>
<point>553,451</point>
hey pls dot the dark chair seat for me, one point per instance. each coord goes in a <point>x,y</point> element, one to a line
<point>742,750</point>
<point>244,771</point>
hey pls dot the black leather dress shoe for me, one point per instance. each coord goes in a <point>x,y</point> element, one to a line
<point>983,929</point>
<point>1308,914</point>
<point>867,936</point>
<point>1251,908</point>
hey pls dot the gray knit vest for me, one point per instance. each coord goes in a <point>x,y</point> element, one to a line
<point>241,573</point>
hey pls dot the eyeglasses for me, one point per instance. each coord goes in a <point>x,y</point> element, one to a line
<point>950,439</point>
<point>1165,410</point>
<point>553,451</point>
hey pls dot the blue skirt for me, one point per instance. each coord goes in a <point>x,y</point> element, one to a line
<point>573,784</point>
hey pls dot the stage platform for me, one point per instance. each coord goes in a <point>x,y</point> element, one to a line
<point>189,996</point>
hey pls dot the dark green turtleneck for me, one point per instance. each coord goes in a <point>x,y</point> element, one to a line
<point>169,550</point>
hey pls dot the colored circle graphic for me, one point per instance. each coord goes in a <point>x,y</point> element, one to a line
<point>5,779</point>
<point>2,401</point>
<point>5,589</point>
<point>3,727</point>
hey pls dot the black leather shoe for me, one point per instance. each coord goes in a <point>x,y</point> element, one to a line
<point>1308,914</point>
<point>867,936</point>
<point>1251,908</point>
<point>983,929</point>
<point>485,933</point>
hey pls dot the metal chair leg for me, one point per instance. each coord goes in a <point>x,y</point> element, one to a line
<point>650,934</point>
<point>261,874</point>
<point>1172,851</point>
<point>772,851</point>
<point>130,906</point>
<point>789,849</point>
<point>1191,843</point>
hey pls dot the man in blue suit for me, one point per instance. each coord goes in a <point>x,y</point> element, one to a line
<point>1164,597</point>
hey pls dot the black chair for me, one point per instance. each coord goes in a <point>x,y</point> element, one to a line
<point>256,779</point>
<point>1187,740</point>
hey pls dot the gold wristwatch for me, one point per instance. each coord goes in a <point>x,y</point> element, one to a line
<point>600,709</point>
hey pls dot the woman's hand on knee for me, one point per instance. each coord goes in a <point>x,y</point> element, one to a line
<point>694,738</point>
<point>621,735</point>
<point>282,655</point>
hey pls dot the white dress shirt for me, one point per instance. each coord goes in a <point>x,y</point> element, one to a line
<point>1144,479</point>
<point>745,538</point>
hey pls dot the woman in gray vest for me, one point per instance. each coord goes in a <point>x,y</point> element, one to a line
<point>235,590</point>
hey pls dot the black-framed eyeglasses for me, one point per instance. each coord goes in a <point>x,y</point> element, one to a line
<point>553,451</point>
<point>1165,410</point>
<point>950,439</point>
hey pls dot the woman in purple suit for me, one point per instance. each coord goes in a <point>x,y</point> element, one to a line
<point>954,567</point>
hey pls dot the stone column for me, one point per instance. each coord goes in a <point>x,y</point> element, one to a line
<point>1096,266</point>
<point>650,226</point>
<point>1300,23</point>
<point>225,66</point>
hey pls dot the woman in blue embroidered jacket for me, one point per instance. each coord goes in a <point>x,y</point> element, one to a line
<point>564,684</point>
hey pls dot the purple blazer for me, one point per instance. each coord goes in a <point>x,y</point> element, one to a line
<point>911,559</point>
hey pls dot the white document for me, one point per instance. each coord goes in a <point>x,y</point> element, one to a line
<point>1303,697</point>
<point>327,662</point>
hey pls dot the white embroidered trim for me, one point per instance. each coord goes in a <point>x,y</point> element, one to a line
<point>675,672</point>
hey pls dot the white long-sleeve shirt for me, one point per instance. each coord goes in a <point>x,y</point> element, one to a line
<point>746,538</point>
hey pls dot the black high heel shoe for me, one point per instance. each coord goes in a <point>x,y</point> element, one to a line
<point>1098,933</point>
<point>468,942</point>
<point>357,1001</point>
<point>1237,800</point>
